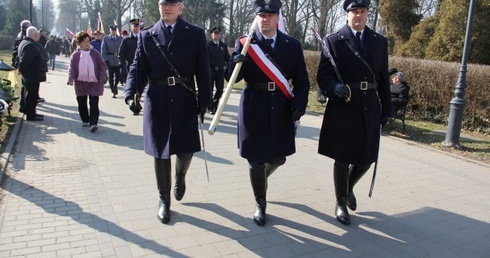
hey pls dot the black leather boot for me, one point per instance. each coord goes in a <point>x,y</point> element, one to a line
<point>181,168</point>
<point>164,180</point>
<point>355,174</point>
<point>259,186</point>
<point>269,169</point>
<point>340,177</point>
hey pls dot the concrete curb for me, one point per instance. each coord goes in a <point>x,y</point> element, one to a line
<point>4,158</point>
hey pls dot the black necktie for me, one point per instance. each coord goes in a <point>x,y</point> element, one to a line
<point>169,29</point>
<point>358,36</point>
<point>269,41</point>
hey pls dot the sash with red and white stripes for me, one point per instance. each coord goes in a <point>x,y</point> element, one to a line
<point>258,56</point>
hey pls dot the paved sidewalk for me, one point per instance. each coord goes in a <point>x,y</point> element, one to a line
<point>72,193</point>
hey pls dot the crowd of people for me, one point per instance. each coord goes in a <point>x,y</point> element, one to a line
<point>177,69</point>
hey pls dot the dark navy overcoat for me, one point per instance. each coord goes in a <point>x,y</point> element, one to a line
<point>350,131</point>
<point>170,112</point>
<point>265,127</point>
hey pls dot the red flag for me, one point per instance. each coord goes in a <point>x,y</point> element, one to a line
<point>89,29</point>
<point>70,33</point>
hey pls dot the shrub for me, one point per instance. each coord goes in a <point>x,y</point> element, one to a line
<point>6,42</point>
<point>432,85</point>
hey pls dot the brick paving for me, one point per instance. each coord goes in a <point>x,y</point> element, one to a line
<point>71,193</point>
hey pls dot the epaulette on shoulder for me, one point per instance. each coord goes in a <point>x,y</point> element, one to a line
<point>149,27</point>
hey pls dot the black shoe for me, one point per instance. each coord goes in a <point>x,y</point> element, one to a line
<point>342,214</point>
<point>34,118</point>
<point>40,100</point>
<point>38,115</point>
<point>351,201</point>
<point>114,96</point>
<point>93,128</point>
<point>163,214</point>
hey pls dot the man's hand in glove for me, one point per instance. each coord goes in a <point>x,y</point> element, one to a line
<point>239,58</point>
<point>201,111</point>
<point>340,91</point>
<point>134,105</point>
<point>296,114</point>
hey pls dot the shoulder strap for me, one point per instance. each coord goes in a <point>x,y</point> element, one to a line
<point>361,58</point>
<point>172,67</point>
<point>159,46</point>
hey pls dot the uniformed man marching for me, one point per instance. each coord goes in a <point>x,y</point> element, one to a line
<point>269,106</point>
<point>128,47</point>
<point>109,50</point>
<point>350,132</point>
<point>171,57</point>
<point>218,57</point>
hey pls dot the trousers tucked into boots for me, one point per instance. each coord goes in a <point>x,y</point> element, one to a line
<point>258,179</point>
<point>164,180</point>
<point>183,161</point>
<point>355,174</point>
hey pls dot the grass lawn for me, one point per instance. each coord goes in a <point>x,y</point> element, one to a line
<point>474,145</point>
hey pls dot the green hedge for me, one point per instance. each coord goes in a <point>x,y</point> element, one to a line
<point>432,85</point>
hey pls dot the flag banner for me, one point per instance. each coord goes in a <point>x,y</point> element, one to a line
<point>117,28</point>
<point>69,33</point>
<point>89,29</point>
<point>280,24</point>
<point>100,27</point>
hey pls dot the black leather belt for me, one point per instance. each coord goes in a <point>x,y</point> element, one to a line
<point>269,86</point>
<point>170,81</point>
<point>364,85</point>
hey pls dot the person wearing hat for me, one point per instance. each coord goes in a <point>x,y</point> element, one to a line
<point>128,47</point>
<point>350,133</point>
<point>109,50</point>
<point>399,91</point>
<point>268,109</point>
<point>218,57</point>
<point>97,41</point>
<point>173,103</point>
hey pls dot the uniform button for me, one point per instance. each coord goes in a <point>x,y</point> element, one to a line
<point>365,93</point>
<point>171,53</point>
<point>272,108</point>
<point>272,94</point>
<point>365,108</point>
<point>171,100</point>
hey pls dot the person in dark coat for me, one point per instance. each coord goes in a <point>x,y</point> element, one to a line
<point>172,105</point>
<point>218,57</point>
<point>268,107</point>
<point>32,67</point>
<point>399,91</point>
<point>350,132</point>
<point>109,50</point>
<point>15,60</point>
<point>128,47</point>
<point>53,49</point>
<point>97,41</point>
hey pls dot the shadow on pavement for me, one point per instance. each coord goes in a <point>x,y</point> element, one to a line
<point>61,207</point>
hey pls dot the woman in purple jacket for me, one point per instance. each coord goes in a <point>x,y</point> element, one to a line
<point>88,73</point>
